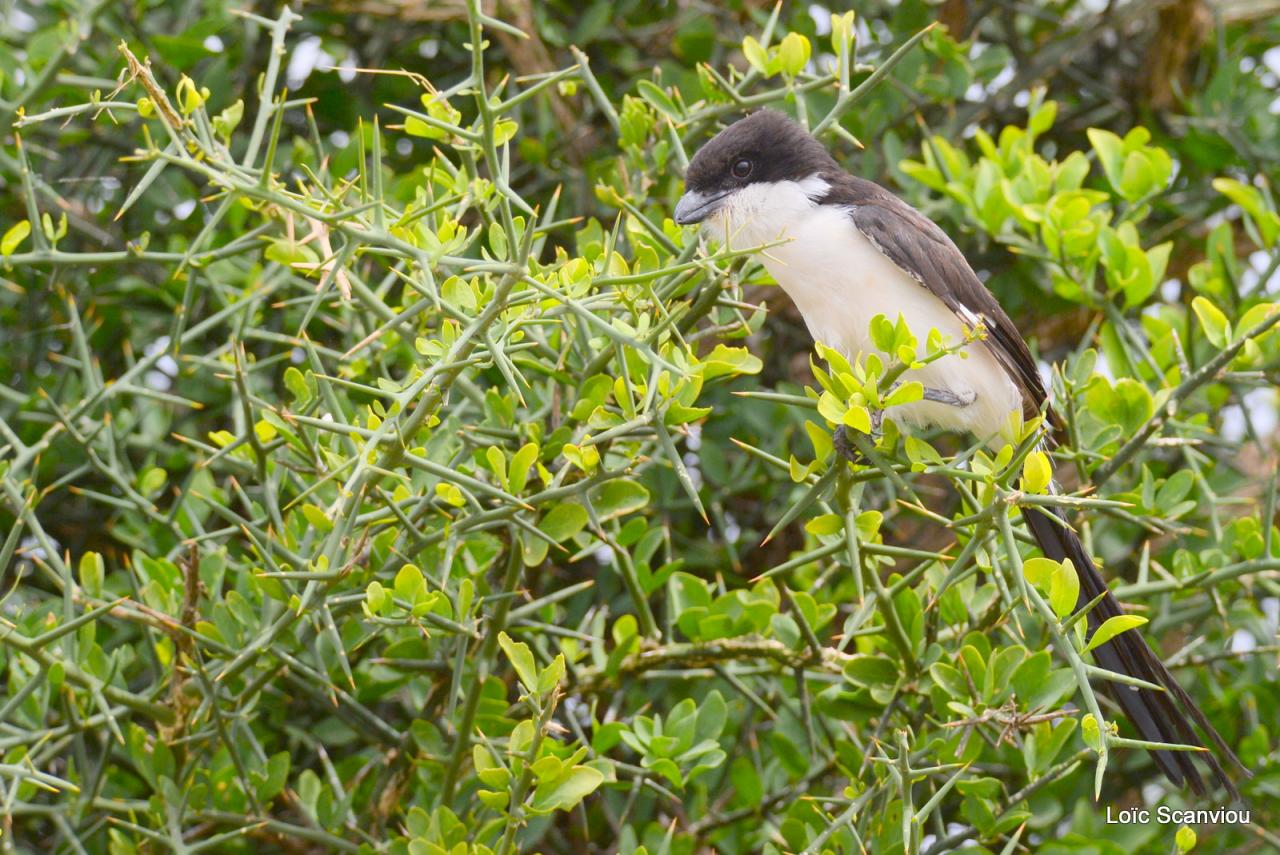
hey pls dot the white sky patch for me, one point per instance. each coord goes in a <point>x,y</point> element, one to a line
<point>1242,641</point>
<point>32,547</point>
<point>21,21</point>
<point>339,139</point>
<point>306,57</point>
<point>694,440</point>
<point>347,68</point>
<point>695,474</point>
<point>1103,367</point>
<point>184,209</point>
<point>1261,406</point>
<point>213,44</point>
<point>1259,264</point>
<point>1271,59</point>
<point>404,147</point>
<point>821,19</point>
<point>161,376</point>
<point>860,27</point>
<point>1171,290</point>
<point>428,48</point>
<point>732,531</point>
<point>1271,612</point>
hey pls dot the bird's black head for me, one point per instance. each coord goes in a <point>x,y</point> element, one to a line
<point>764,147</point>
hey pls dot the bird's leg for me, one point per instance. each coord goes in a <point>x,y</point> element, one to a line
<point>951,399</point>
<point>846,449</point>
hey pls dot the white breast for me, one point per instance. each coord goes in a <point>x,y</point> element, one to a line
<point>840,281</point>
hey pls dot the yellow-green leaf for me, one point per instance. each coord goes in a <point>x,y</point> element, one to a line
<point>1036,472</point>
<point>1216,326</point>
<point>15,236</point>
<point>1112,627</point>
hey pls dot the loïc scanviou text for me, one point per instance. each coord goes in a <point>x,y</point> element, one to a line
<point>1168,816</point>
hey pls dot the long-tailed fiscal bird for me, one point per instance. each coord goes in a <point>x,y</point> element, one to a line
<point>845,250</point>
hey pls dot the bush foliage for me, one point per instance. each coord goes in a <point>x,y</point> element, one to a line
<point>382,470</point>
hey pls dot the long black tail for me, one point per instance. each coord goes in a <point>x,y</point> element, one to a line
<point>1158,716</point>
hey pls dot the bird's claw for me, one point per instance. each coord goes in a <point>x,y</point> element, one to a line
<point>845,447</point>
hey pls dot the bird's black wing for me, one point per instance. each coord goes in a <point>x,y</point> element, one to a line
<point>923,251</point>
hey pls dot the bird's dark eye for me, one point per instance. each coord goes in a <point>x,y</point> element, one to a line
<point>741,168</point>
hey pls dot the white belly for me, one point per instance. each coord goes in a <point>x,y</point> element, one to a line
<point>840,281</point>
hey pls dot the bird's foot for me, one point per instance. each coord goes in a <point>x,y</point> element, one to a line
<point>845,447</point>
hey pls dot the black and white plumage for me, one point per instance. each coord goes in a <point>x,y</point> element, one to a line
<point>845,249</point>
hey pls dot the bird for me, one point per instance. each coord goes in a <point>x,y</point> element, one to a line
<point>845,249</point>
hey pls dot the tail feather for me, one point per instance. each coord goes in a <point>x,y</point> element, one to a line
<point>1157,716</point>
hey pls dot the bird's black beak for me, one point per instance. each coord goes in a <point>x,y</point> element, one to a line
<point>694,207</point>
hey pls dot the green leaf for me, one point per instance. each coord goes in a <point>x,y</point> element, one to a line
<point>1254,204</point>
<point>92,573</point>
<point>14,236</point>
<point>793,54</point>
<point>857,417</point>
<point>756,55</point>
<point>660,99</point>
<point>375,596</point>
<point>1090,732</point>
<point>1110,150</point>
<point>712,714</point>
<point>825,524</point>
<point>1037,472</point>
<point>296,383</point>
<point>317,518</point>
<point>563,521</point>
<point>551,675</point>
<point>724,360</point>
<point>1216,326</point>
<point>950,679</point>
<point>566,792</point>
<point>521,461</point>
<point>1112,627</point>
<point>1064,590</point>
<point>619,497</point>
<point>270,783</point>
<point>1039,571</point>
<point>410,584</point>
<point>865,670</point>
<point>521,659</point>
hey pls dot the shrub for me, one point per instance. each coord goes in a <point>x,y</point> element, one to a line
<point>363,494</point>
